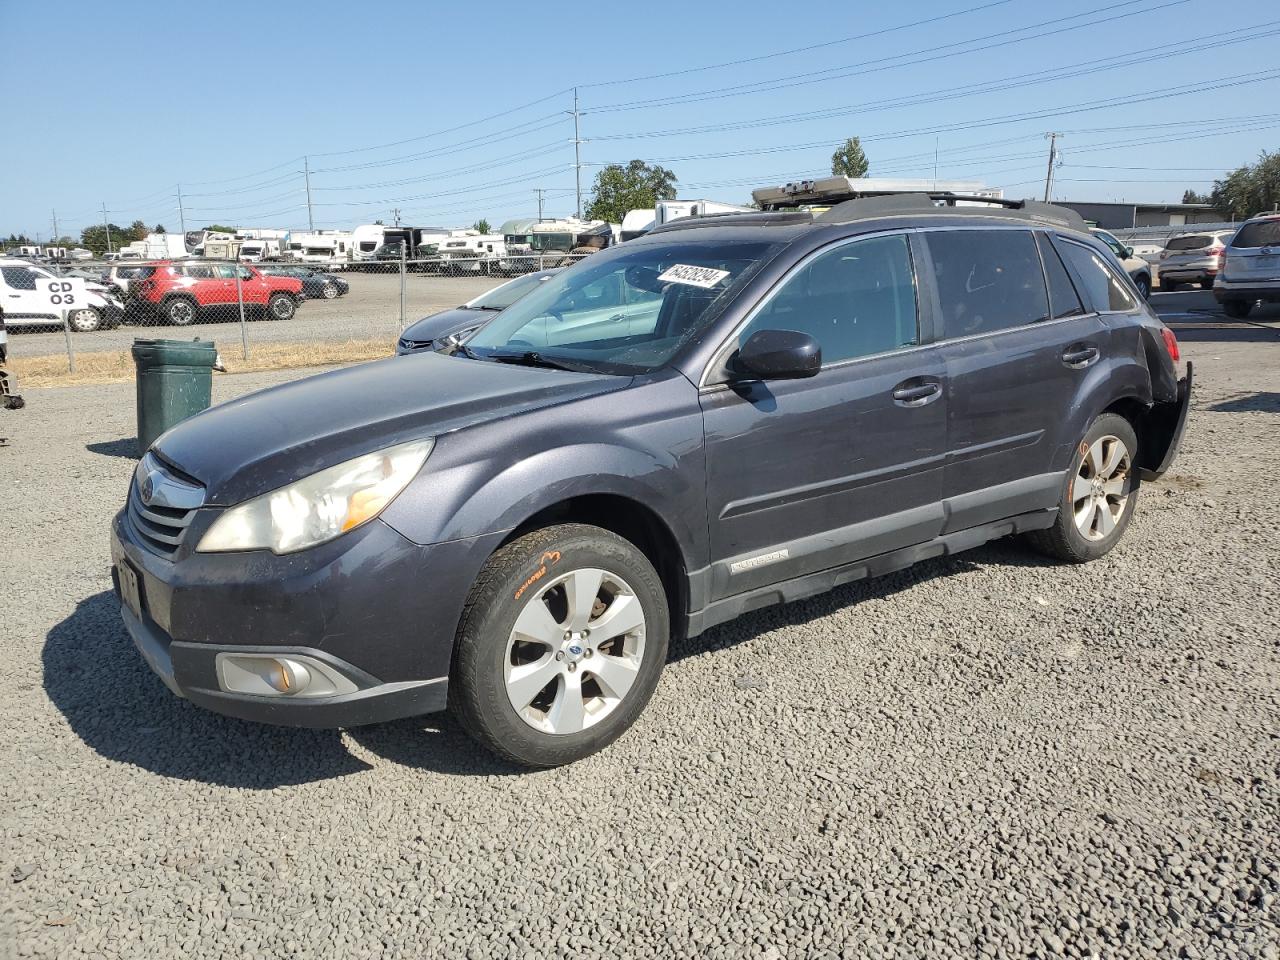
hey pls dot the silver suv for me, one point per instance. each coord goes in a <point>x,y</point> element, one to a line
<point>1250,267</point>
<point>1192,258</point>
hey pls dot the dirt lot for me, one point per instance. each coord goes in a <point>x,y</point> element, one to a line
<point>987,755</point>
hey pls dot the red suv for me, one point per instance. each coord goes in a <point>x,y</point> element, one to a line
<point>180,290</point>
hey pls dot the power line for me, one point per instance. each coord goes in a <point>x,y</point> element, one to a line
<point>806,49</point>
<point>886,63</point>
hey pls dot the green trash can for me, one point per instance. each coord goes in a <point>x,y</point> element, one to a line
<point>175,380</point>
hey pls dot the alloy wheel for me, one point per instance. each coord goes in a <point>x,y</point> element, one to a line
<point>1100,490</point>
<point>575,651</point>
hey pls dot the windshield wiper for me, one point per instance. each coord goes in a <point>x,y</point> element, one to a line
<point>531,358</point>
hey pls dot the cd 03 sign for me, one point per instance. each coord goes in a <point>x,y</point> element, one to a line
<point>65,293</point>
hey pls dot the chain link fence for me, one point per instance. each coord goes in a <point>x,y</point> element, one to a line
<point>242,305</point>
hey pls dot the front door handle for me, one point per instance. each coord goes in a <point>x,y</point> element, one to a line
<point>1080,355</point>
<point>913,393</point>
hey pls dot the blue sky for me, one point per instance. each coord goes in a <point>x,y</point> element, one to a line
<point>453,111</point>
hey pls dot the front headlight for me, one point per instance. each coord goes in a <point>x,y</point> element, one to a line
<point>319,507</point>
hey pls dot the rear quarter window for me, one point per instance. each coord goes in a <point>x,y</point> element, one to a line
<point>1101,286</point>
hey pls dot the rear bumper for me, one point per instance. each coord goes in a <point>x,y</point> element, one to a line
<point>1164,427</point>
<point>1225,290</point>
<point>1187,274</point>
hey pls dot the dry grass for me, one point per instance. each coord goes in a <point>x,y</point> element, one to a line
<point>116,366</point>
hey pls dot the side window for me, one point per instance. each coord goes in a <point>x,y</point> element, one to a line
<point>198,271</point>
<point>1063,299</point>
<point>19,278</point>
<point>988,280</point>
<point>225,271</point>
<point>1104,290</point>
<point>856,300</point>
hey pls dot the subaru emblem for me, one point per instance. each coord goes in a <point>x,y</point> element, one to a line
<point>148,488</point>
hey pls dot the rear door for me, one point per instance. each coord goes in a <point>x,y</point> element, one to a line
<point>1014,361</point>
<point>806,475</point>
<point>23,301</point>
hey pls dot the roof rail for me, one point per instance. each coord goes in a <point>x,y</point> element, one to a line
<point>734,219</point>
<point>917,204</point>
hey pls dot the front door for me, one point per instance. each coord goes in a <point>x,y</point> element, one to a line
<point>23,301</point>
<point>805,475</point>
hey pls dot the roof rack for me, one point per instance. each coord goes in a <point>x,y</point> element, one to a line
<point>925,203</point>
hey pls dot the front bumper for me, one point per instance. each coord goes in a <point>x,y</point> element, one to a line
<point>1248,290</point>
<point>373,607</point>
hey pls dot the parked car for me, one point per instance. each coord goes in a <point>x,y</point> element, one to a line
<point>1137,268</point>
<point>28,302</point>
<point>1148,248</point>
<point>517,529</point>
<point>1250,267</point>
<point>315,285</point>
<point>428,332</point>
<point>1193,258</point>
<point>179,291</point>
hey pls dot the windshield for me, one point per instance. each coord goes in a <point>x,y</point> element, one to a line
<point>559,242</point>
<point>1191,242</point>
<point>499,298</point>
<point>627,310</point>
<point>1260,233</point>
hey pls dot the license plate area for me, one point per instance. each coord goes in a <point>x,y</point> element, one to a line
<point>130,588</point>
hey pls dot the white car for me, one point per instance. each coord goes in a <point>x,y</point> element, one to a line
<point>27,302</point>
<point>1250,268</point>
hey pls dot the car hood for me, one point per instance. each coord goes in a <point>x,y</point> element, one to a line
<point>446,322</point>
<point>265,440</point>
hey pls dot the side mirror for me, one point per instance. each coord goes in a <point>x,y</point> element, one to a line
<point>778,355</point>
<point>1128,253</point>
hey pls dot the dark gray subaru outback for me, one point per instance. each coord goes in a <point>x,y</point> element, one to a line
<point>729,412</point>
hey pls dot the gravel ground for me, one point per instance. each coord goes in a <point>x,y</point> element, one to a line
<point>371,309</point>
<point>983,756</point>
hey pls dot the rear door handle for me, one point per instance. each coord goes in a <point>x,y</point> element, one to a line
<point>1080,355</point>
<point>916,394</point>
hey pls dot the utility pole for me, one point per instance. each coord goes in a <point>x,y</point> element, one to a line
<point>306,172</point>
<point>1053,159</point>
<point>577,154</point>
<point>55,226</point>
<point>106,225</point>
<point>539,191</point>
<point>395,213</point>
<point>182,216</point>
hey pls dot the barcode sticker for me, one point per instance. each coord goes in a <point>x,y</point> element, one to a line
<point>705,277</point>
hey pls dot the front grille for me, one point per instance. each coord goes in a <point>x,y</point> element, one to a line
<point>160,528</point>
<point>162,505</point>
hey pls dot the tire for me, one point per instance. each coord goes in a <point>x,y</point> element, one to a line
<point>1206,284</point>
<point>532,580</point>
<point>1144,286</point>
<point>1092,517</point>
<point>84,319</point>
<point>281,306</point>
<point>329,291</point>
<point>1237,309</point>
<point>180,311</point>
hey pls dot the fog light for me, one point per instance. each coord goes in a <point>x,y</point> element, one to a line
<point>287,676</point>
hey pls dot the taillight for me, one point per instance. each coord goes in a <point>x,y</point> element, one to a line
<point>1170,344</point>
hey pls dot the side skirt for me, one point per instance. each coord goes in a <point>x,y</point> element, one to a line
<point>722,611</point>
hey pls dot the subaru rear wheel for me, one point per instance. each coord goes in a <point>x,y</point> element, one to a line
<point>560,646</point>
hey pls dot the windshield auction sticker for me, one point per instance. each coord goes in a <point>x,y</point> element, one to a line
<point>706,277</point>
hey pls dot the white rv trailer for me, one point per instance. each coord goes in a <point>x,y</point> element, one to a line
<point>332,248</point>
<point>158,246</point>
<point>257,250</point>
<point>471,252</point>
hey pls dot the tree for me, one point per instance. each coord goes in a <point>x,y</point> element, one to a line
<point>1249,189</point>
<point>158,228</point>
<point>219,228</point>
<point>95,238</point>
<point>849,160</point>
<point>1190,196</point>
<point>138,230</point>
<point>481,226</point>
<point>636,186</point>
